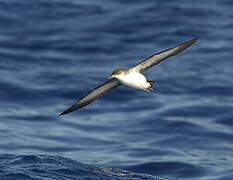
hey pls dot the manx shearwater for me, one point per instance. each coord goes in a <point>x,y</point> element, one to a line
<point>132,77</point>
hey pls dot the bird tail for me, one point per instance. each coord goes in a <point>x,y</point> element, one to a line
<point>150,88</point>
<point>152,83</point>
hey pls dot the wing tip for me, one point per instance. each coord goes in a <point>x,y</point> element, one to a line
<point>184,45</point>
<point>69,110</point>
<point>195,39</point>
<point>190,42</point>
<point>63,113</point>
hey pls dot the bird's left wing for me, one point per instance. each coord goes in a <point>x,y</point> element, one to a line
<point>93,95</point>
<point>159,57</point>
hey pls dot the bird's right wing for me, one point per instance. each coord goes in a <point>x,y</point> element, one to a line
<point>159,57</point>
<point>93,95</point>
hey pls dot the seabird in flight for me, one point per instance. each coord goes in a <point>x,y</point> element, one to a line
<point>132,77</point>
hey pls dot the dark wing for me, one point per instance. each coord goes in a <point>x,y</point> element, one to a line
<point>93,95</point>
<point>159,57</point>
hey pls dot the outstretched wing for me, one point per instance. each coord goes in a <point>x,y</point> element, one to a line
<point>159,57</point>
<point>93,95</point>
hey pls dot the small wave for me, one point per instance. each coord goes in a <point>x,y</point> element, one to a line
<point>178,169</point>
<point>16,167</point>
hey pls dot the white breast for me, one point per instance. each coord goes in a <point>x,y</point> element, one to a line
<point>135,80</point>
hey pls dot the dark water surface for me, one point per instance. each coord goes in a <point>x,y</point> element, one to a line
<point>53,52</point>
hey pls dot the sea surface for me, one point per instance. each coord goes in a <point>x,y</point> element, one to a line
<point>52,52</point>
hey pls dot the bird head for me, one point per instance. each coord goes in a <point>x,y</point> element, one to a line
<point>116,73</point>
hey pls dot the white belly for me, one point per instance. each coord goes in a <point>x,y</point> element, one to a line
<point>134,80</point>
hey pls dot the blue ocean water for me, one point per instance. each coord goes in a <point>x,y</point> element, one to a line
<point>53,52</point>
